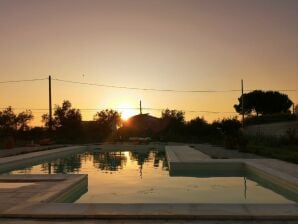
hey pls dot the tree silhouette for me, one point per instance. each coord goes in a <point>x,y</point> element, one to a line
<point>9,121</point>
<point>106,122</point>
<point>175,124</point>
<point>176,116</point>
<point>232,136</point>
<point>23,119</point>
<point>197,129</point>
<point>264,102</point>
<point>67,121</point>
<point>197,125</point>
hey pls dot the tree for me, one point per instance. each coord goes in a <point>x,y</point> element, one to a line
<point>23,119</point>
<point>14,125</point>
<point>11,121</point>
<point>107,122</point>
<point>230,129</point>
<point>109,118</point>
<point>228,126</point>
<point>8,119</point>
<point>65,116</point>
<point>67,121</point>
<point>264,102</point>
<point>46,120</point>
<point>174,121</point>
<point>198,127</point>
<point>173,115</point>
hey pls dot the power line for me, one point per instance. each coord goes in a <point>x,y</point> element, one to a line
<point>23,80</point>
<point>144,89</point>
<point>163,90</point>
<point>19,108</point>
<point>139,88</point>
<point>280,90</point>
<point>132,108</point>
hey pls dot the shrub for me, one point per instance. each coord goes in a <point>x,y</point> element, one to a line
<point>265,119</point>
<point>232,135</point>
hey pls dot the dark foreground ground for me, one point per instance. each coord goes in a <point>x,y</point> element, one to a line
<point>36,221</point>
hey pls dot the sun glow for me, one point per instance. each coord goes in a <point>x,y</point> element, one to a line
<point>126,109</point>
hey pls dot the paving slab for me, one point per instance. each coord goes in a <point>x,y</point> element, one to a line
<point>131,221</point>
<point>184,154</point>
<point>183,161</point>
<point>278,172</point>
<point>125,146</point>
<point>154,211</point>
<point>11,162</point>
<point>219,152</point>
<point>31,177</point>
<point>44,188</point>
<point>289,169</point>
<point>26,156</point>
<point>27,149</point>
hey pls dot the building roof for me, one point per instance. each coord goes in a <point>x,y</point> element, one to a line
<point>145,122</point>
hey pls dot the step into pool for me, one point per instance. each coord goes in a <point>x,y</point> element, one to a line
<point>142,176</point>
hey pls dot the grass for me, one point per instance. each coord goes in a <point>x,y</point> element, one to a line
<point>287,153</point>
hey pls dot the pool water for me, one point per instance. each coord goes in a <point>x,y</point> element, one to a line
<point>143,177</point>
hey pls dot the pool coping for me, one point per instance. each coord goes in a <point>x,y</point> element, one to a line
<point>48,209</point>
<point>43,188</point>
<point>277,173</point>
<point>39,154</point>
<point>153,211</point>
<point>7,163</point>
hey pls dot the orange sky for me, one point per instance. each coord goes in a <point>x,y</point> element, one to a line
<point>167,44</point>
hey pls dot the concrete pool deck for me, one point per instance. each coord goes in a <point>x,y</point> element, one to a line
<point>41,200</point>
<point>182,154</point>
<point>138,221</point>
<point>28,189</point>
<point>6,163</point>
<point>39,154</point>
<point>152,211</point>
<point>27,149</point>
<point>126,146</point>
<point>188,159</point>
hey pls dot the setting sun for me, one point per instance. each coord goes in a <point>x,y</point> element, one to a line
<point>138,111</point>
<point>126,109</point>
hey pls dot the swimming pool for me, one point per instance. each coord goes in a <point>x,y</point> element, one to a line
<point>142,176</point>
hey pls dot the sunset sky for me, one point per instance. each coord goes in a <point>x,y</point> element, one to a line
<point>163,44</point>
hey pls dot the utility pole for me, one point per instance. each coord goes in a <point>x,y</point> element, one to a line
<point>50,103</point>
<point>140,107</point>
<point>242,103</point>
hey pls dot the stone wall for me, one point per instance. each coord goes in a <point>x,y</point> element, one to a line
<point>273,129</point>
